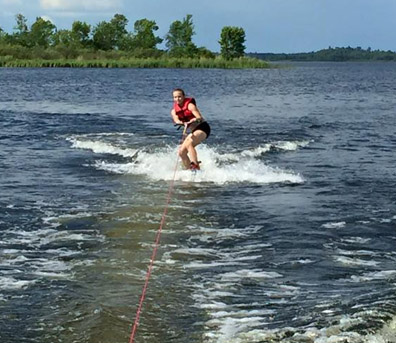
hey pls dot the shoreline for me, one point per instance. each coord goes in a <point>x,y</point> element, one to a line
<point>240,63</point>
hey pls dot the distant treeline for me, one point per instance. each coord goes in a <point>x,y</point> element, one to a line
<point>331,54</point>
<point>110,44</point>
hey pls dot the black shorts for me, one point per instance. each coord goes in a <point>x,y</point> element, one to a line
<point>204,126</point>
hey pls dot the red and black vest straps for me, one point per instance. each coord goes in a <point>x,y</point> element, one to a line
<point>183,113</point>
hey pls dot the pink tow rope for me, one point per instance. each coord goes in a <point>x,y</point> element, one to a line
<point>156,245</point>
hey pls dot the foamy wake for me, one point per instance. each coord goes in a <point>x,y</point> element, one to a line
<point>216,167</point>
<point>99,147</point>
<point>47,253</point>
<point>341,331</point>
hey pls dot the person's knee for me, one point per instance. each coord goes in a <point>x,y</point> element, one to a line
<point>197,138</point>
<point>188,142</point>
<point>183,151</point>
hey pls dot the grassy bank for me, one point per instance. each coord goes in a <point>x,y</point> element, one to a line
<point>240,63</point>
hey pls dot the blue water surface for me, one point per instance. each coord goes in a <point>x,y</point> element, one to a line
<point>286,235</point>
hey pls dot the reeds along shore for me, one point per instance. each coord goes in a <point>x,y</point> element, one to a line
<point>218,62</point>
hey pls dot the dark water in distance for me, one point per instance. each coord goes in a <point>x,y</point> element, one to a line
<point>287,234</point>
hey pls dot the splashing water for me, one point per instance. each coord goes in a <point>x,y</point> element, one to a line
<point>216,167</point>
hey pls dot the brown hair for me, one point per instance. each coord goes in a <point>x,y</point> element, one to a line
<point>179,90</point>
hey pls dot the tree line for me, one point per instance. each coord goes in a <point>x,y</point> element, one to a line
<point>111,38</point>
<point>338,54</point>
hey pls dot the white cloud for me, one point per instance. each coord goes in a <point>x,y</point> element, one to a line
<point>45,17</point>
<point>80,5</point>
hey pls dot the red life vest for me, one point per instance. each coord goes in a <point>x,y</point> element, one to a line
<point>183,113</point>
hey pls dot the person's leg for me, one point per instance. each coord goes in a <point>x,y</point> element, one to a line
<point>187,150</point>
<point>196,138</point>
<point>183,152</point>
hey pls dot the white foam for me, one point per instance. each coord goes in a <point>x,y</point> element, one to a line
<point>356,252</point>
<point>385,220</point>
<point>234,233</point>
<point>53,275</point>
<point>67,216</point>
<point>247,257</point>
<point>242,314</point>
<point>12,251</point>
<point>291,146</point>
<point>203,265</point>
<point>249,274</point>
<point>40,262</point>
<point>11,283</point>
<point>241,169</point>
<point>45,236</point>
<point>256,152</point>
<point>335,225</point>
<point>215,305</point>
<point>195,252</point>
<point>358,240</point>
<point>237,256</point>
<point>99,147</point>
<point>106,134</point>
<point>302,261</point>
<point>363,222</point>
<point>281,145</point>
<point>232,330</point>
<point>17,260</point>
<point>117,168</point>
<point>218,290</point>
<point>355,261</point>
<point>261,150</point>
<point>226,320</point>
<point>379,275</point>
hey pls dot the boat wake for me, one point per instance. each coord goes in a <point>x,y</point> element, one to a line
<point>217,166</point>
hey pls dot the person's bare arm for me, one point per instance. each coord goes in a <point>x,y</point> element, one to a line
<point>175,118</point>
<point>195,111</point>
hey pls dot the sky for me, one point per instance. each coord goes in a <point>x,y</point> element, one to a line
<point>277,26</point>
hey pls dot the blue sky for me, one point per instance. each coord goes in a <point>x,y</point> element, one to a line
<point>270,25</point>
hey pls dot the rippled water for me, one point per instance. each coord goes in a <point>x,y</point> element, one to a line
<point>286,235</point>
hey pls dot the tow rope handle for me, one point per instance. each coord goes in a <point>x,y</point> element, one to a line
<point>184,131</point>
<point>179,126</point>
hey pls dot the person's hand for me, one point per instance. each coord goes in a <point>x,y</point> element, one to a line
<point>191,121</point>
<point>179,125</point>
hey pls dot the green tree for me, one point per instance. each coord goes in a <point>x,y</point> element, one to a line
<point>103,37</point>
<point>21,24</point>
<point>66,44</point>
<point>42,33</point>
<point>144,36</point>
<point>179,38</point>
<point>3,36</point>
<point>63,38</point>
<point>231,42</point>
<point>119,23</point>
<point>204,52</point>
<point>20,36</point>
<point>110,35</point>
<point>126,43</point>
<point>80,33</point>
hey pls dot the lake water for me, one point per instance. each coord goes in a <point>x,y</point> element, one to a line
<point>286,235</point>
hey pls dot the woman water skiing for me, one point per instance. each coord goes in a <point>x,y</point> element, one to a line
<point>185,112</point>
